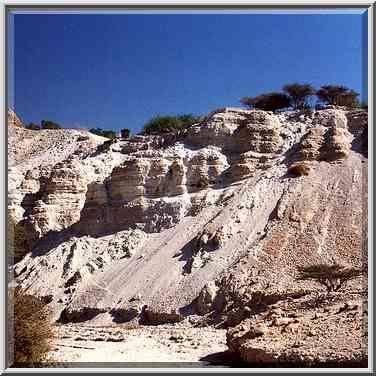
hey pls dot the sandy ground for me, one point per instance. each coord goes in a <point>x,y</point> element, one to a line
<point>75,344</point>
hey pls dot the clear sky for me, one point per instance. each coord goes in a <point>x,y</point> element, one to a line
<point>118,70</point>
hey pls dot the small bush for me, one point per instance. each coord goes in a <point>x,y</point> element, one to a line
<point>299,169</point>
<point>125,133</point>
<point>333,277</point>
<point>47,124</point>
<point>107,133</point>
<point>32,329</point>
<point>268,102</point>
<point>33,127</point>
<point>17,240</point>
<point>169,124</point>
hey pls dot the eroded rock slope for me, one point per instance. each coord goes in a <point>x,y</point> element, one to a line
<point>151,228</point>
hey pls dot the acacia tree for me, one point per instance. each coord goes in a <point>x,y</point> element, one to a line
<point>333,277</point>
<point>169,124</point>
<point>349,99</point>
<point>268,102</point>
<point>337,95</point>
<point>299,94</point>
<point>248,102</point>
<point>273,102</point>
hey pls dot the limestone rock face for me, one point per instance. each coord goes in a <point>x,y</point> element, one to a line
<point>312,141</point>
<point>206,299</point>
<point>58,204</point>
<point>260,132</point>
<point>204,169</point>
<point>139,189</point>
<point>32,155</point>
<point>337,144</point>
<point>357,120</point>
<point>216,128</point>
<point>247,164</point>
<point>331,118</point>
<point>13,120</point>
<point>79,259</point>
<point>328,142</point>
<point>155,316</point>
<point>124,243</point>
<point>126,314</point>
<point>168,217</point>
<point>305,337</point>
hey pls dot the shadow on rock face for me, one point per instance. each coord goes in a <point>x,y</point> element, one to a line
<point>360,143</point>
<point>232,360</point>
<point>224,359</point>
<point>186,254</point>
<point>79,315</point>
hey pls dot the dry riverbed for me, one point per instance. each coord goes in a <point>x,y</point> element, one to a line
<point>142,346</point>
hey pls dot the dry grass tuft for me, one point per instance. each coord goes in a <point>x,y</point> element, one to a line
<point>299,169</point>
<point>30,341</point>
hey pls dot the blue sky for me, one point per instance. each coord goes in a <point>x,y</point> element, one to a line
<point>118,70</point>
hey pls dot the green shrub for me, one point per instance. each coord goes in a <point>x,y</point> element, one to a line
<point>168,124</point>
<point>299,94</point>
<point>32,333</point>
<point>47,124</point>
<point>103,132</point>
<point>109,134</point>
<point>268,102</point>
<point>33,127</point>
<point>333,277</point>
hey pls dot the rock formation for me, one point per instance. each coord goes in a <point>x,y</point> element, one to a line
<point>168,219</point>
<point>306,332</point>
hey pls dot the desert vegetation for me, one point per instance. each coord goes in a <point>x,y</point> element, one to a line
<point>299,169</point>
<point>338,95</point>
<point>16,240</point>
<point>297,96</point>
<point>33,126</point>
<point>333,277</point>
<point>268,102</point>
<point>45,124</point>
<point>107,133</point>
<point>169,124</point>
<point>30,331</point>
<point>125,133</point>
<point>48,124</point>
